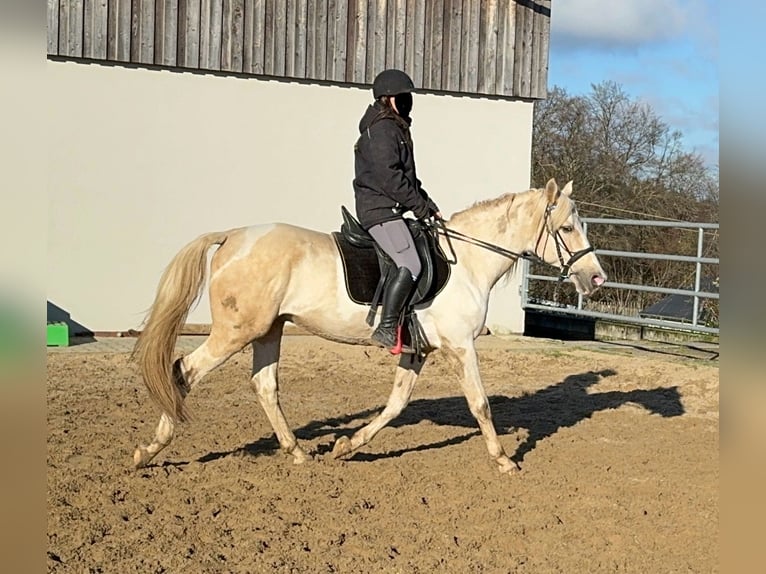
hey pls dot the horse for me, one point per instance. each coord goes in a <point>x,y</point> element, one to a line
<point>262,276</point>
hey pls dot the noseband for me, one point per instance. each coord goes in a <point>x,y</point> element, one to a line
<point>560,244</point>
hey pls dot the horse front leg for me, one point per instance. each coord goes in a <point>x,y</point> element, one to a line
<point>404,381</point>
<point>467,363</point>
<point>266,383</point>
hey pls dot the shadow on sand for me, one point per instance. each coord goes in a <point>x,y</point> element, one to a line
<point>542,413</point>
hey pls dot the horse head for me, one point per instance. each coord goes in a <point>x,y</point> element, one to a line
<point>562,242</point>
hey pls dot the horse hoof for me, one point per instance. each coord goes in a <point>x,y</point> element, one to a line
<point>299,456</point>
<point>141,457</point>
<point>342,447</point>
<point>507,466</point>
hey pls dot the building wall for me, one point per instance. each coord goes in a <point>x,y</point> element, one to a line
<point>477,47</point>
<point>141,161</point>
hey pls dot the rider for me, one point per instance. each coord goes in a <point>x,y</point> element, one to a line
<point>385,186</point>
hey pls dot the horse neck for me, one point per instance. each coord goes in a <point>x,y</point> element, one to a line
<point>508,221</point>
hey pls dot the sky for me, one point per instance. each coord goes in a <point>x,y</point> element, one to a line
<point>662,52</point>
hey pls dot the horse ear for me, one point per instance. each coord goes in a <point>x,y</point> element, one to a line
<point>551,190</point>
<point>567,189</point>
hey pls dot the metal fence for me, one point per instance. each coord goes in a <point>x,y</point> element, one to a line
<point>697,294</point>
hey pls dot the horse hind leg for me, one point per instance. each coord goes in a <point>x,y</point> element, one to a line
<point>265,381</point>
<point>187,372</point>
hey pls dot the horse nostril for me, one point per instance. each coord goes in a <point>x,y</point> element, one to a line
<point>598,280</point>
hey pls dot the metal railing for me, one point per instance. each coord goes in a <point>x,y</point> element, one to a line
<point>696,293</point>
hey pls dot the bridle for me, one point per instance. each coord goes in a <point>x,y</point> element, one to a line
<point>561,246</point>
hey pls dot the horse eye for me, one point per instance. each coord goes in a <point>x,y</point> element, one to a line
<point>567,228</point>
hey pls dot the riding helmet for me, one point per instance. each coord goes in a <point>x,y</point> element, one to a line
<point>391,83</point>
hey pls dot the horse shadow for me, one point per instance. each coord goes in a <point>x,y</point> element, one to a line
<point>542,413</point>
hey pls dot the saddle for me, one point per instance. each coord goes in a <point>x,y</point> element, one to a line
<point>368,269</point>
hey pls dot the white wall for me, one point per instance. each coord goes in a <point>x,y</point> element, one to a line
<point>142,161</point>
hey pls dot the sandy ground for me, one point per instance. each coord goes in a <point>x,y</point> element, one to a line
<point>619,456</point>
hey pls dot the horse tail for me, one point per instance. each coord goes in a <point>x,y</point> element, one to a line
<point>179,288</point>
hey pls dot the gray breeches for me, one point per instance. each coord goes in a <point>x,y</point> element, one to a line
<point>395,239</point>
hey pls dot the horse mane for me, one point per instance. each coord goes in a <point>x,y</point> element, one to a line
<point>483,205</point>
<point>564,206</point>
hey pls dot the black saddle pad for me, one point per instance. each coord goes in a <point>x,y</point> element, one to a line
<point>362,271</point>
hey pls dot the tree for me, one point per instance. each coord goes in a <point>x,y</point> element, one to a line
<point>626,162</point>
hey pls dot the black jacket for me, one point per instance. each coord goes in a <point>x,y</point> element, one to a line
<point>386,183</point>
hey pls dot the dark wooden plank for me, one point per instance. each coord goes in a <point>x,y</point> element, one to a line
<point>337,38</point>
<point>238,36</point>
<point>71,28</point>
<point>269,40</point>
<point>211,22</point>
<point>333,17</point>
<point>253,40</point>
<point>527,60</point>
<point>300,39</point>
<point>523,56</point>
<point>216,32</point>
<point>388,61</point>
<point>247,36</point>
<point>398,39</point>
<point>543,50</point>
<point>357,41</point>
<point>142,32</point>
<point>518,49</point>
<point>320,28</point>
<point>147,38</point>
<point>469,48</point>
<point>118,30</point>
<point>280,37</point>
<point>534,70</point>
<point>341,44</point>
<point>67,20</point>
<point>453,31</point>
<point>419,43</point>
<point>369,40</point>
<point>170,41</point>
<point>204,33</point>
<point>166,32</point>
<point>188,33</point>
<point>435,57</point>
<point>232,34</point>
<point>159,31</point>
<point>427,44</point>
<point>409,40</point>
<point>311,36</point>
<point>53,27</point>
<point>135,30</point>
<point>488,47</point>
<point>506,38</point>
<point>376,39</point>
<point>63,27</point>
<point>259,37</point>
<point>290,38</point>
<point>94,29</point>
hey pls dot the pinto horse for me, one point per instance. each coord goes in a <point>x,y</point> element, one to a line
<point>264,275</point>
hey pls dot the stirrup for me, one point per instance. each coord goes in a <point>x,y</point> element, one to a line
<point>400,348</point>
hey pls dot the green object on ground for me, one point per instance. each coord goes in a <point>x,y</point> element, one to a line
<point>58,335</point>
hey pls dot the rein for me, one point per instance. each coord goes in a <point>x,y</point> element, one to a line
<point>439,227</point>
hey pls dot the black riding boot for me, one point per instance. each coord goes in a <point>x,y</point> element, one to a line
<point>394,299</point>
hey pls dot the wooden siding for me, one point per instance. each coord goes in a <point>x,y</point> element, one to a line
<point>490,47</point>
